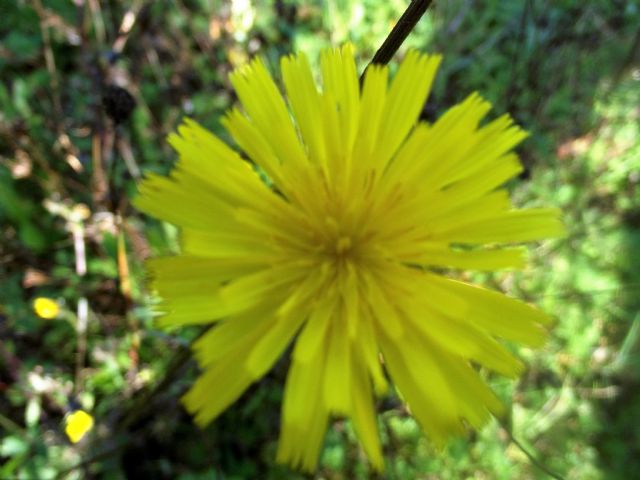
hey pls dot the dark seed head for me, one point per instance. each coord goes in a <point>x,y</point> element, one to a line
<point>118,103</point>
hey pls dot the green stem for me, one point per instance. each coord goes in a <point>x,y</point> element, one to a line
<point>11,426</point>
<point>541,466</point>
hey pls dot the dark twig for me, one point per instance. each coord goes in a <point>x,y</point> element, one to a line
<point>402,29</point>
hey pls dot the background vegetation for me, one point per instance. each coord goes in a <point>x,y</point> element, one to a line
<point>70,153</point>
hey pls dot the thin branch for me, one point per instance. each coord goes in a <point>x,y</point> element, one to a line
<point>400,31</point>
<point>101,455</point>
<point>534,461</point>
<point>50,63</point>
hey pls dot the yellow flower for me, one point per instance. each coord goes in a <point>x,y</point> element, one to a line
<point>77,424</point>
<point>46,308</point>
<point>339,249</point>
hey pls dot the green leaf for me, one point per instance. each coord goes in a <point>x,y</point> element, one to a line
<point>13,445</point>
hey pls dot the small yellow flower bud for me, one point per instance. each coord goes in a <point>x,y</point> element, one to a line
<point>77,425</point>
<point>46,308</point>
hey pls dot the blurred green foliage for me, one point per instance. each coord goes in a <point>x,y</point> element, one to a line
<point>568,71</point>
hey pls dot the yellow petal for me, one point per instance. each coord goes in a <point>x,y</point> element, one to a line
<point>218,387</point>
<point>382,308</point>
<point>374,92</point>
<point>183,204</point>
<point>369,352</point>
<point>414,368</point>
<point>207,301</point>
<point>444,256</point>
<point>224,380</point>
<point>313,337</point>
<point>267,110</point>
<point>77,425</point>
<point>467,341</point>
<point>304,99</point>
<point>269,348</point>
<point>407,95</point>
<point>478,400</point>
<point>340,84</point>
<point>483,181</point>
<point>46,308</point>
<point>225,337</point>
<point>205,157</point>
<point>446,143</point>
<point>488,206</point>
<point>502,316</point>
<point>491,142</point>
<point>508,227</point>
<point>338,376</point>
<point>364,415</point>
<point>228,245</point>
<point>258,147</point>
<point>304,414</point>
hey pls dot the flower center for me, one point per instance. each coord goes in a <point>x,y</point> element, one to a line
<point>343,245</point>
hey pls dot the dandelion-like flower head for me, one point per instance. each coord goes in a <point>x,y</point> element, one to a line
<point>330,237</point>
